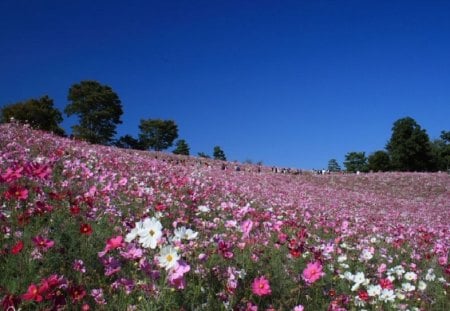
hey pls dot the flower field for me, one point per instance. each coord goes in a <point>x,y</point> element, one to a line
<point>87,227</point>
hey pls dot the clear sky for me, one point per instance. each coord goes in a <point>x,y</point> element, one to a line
<point>290,83</point>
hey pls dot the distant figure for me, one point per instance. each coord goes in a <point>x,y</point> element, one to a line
<point>238,168</point>
<point>224,167</point>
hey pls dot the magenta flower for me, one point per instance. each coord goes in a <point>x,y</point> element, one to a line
<point>312,272</point>
<point>78,265</point>
<point>261,286</point>
<point>43,243</point>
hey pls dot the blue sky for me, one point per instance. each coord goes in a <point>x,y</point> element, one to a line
<point>289,83</point>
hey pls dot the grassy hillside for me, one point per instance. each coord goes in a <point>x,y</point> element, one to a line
<point>101,228</point>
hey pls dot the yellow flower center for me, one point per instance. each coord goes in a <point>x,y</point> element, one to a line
<point>151,232</point>
<point>169,257</point>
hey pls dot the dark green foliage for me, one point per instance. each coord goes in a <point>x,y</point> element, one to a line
<point>379,161</point>
<point>129,142</point>
<point>158,134</point>
<point>203,155</point>
<point>181,147</point>
<point>409,147</point>
<point>440,149</point>
<point>355,162</point>
<point>39,113</point>
<point>99,110</point>
<point>218,154</point>
<point>333,166</point>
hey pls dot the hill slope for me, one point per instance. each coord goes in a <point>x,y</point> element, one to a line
<point>78,196</point>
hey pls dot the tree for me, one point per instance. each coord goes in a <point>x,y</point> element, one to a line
<point>39,113</point>
<point>203,155</point>
<point>218,154</point>
<point>355,162</point>
<point>379,161</point>
<point>99,110</point>
<point>128,142</point>
<point>333,166</point>
<point>440,149</point>
<point>181,147</point>
<point>158,134</point>
<point>409,147</point>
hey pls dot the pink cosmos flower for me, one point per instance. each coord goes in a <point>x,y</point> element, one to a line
<point>112,243</point>
<point>312,272</point>
<point>176,275</point>
<point>17,192</point>
<point>299,308</point>
<point>43,243</point>
<point>261,286</point>
<point>33,293</point>
<point>246,227</point>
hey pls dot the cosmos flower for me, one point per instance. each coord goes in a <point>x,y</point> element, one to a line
<point>43,243</point>
<point>150,233</point>
<point>86,229</point>
<point>312,272</point>
<point>168,257</point>
<point>33,293</point>
<point>17,248</point>
<point>112,243</point>
<point>261,286</point>
<point>134,232</point>
<point>186,234</point>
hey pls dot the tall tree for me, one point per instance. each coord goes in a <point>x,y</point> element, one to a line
<point>333,166</point>
<point>181,147</point>
<point>355,162</point>
<point>99,110</point>
<point>39,113</point>
<point>379,161</point>
<point>409,147</point>
<point>219,154</point>
<point>128,142</point>
<point>158,134</point>
<point>441,151</point>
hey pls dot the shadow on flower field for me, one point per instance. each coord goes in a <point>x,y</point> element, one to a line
<point>86,227</point>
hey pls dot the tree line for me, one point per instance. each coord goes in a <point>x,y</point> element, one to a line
<point>408,150</point>
<point>99,111</point>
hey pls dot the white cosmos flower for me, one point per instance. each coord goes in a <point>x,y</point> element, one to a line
<point>150,232</point>
<point>407,287</point>
<point>400,295</point>
<point>366,255</point>
<point>134,232</point>
<point>387,295</point>
<point>359,280</point>
<point>422,285</point>
<point>168,257</point>
<point>203,208</point>
<point>186,234</point>
<point>410,276</point>
<point>373,290</point>
<point>342,258</point>
<point>430,275</point>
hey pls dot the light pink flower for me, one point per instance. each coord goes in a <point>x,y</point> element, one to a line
<point>246,227</point>
<point>261,286</point>
<point>176,275</point>
<point>312,272</point>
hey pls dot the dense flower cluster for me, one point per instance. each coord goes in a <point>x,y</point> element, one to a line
<point>88,227</point>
